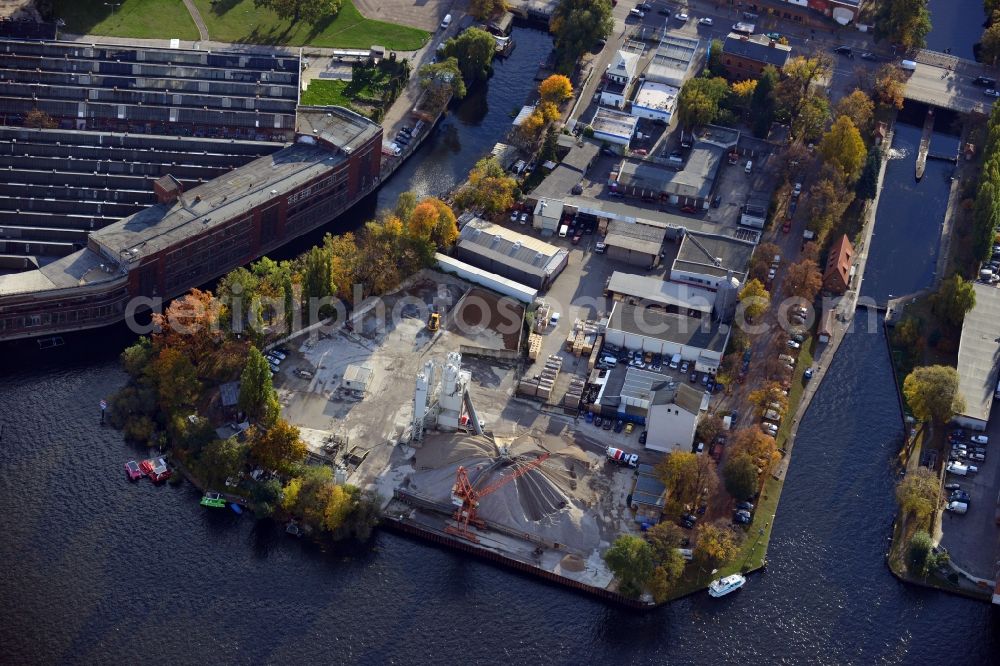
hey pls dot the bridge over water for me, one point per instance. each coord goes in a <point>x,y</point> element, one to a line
<point>946,82</point>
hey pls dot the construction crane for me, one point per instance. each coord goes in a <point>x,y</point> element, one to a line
<point>466,497</point>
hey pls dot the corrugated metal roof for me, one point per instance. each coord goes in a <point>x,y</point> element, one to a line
<point>487,238</point>
<point>662,292</point>
<point>635,236</point>
<point>713,254</point>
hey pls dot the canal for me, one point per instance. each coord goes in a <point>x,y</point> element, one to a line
<point>98,570</point>
<point>955,25</point>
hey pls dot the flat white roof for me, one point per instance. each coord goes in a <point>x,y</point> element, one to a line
<point>614,123</point>
<point>657,96</point>
<point>979,353</point>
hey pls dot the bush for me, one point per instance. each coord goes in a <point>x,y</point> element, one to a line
<point>918,553</point>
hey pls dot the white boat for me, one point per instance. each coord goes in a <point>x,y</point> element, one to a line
<point>723,586</point>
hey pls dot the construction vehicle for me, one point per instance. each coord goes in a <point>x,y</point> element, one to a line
<point>466,497</point>
<point>433,322</point>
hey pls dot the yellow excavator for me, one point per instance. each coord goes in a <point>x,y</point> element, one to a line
<point>433,322</point>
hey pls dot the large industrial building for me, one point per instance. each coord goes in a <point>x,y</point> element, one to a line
<point>193,236</point>
<point>635,243</point>
<point>518,257</point>
<point>123,116</point>
<point>979,358</point>
<point>674,61</point>
<point>690,186</point>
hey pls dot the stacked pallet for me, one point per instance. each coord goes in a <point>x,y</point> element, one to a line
<point>542,315</point>
<point>534,346</point>
<point>540,385</point>
<point>575,392</point>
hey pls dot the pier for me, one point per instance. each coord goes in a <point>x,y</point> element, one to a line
<point>925,143</point>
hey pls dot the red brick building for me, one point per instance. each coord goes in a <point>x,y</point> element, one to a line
<point>746,56</point>
<point>837,278</point>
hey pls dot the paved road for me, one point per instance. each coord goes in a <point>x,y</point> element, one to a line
<point>949,86</point>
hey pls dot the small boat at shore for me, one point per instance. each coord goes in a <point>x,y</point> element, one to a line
<point>723,586</point>
<point>237,509</point>
<point>213,500</point>
<point>156,469</point>
<point>133,471</point>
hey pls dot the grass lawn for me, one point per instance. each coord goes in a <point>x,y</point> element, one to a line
<point>804,362</point>
<point>326,92</point>
<point>150,19</point>
<point>242,21</point>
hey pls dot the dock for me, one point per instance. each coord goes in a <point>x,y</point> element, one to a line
<point>925,143</point>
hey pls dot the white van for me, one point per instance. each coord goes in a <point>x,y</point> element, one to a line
<point>958,507</point>
<point>749,167</point>
<point>446,22</point>
<point>675,361</point>
<point>609,361</point>
<point>908,65</point>
<point>563,230</point>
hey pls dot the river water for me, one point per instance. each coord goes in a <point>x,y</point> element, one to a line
<point>955,25</point>
<point>98,570</point>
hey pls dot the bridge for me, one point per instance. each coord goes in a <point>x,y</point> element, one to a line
<point>945,81</point>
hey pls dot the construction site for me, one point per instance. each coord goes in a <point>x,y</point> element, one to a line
<point>416,397</point>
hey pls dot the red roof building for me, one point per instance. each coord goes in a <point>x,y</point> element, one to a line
<point>837,277</point>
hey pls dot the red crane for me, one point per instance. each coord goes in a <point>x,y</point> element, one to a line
<point>466,497</point>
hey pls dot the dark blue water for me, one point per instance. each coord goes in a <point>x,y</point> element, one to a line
<point>955,24</point>
<point>910,214</point>
<point>98,570</point>
<point>473,125</point>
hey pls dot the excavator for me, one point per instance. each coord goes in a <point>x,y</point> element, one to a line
<point>433,322</point>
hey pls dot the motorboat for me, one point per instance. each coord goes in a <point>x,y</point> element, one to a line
<point>723,586</point>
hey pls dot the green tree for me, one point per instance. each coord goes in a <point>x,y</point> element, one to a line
<point>904,22</point>
<point>800,73</point>
<point>223,458</point>
<point>762,102</point>
<point>953,299</point>
<point>664,538</point>
<point>709,427</point>
<point>989,48</point>
<point>985,214</point>
<point>808,123</point>
<point>239,291</point>
<point>867,185</point>
<point>317,281</point>
<point>136,357</point>
<point>576,26</point>
<point>716,544</point>
<point>474,50</point>
<point>266,496</point>
<point>907,334</point>
<point>843,147</point>
<point>860,108</point>
<point>828,201</point>
<point>630,559</point>
<point>278,447</point>
<point>698,102</point>
<point>715,66</point>
<point>441,82</point>
<point>257,397</point>
<point>310,11</point>
<point>918,553</point>
<point>486,9</point>
<point>918,495</point>
<point>405,203</point>
<point>739,475</point>
<point>755,299</point>
<point>932,393</point>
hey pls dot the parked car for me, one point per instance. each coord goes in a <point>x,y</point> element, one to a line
<point>693,378</point>
<point>985,81</point>
<point>868,55</point>
<point>513,216</point>
<point>629,427</point>
<point>798,337</point>
<point>745,506</point>
<point>642,437</point>
<point>524,218</point>
<point>644,7</point>
<point>952,486</point>
<point>797,190</point>
<point>682,17</point>
<point>773,35</point>
<point>619,425</point>
<point>705,21</point>
<point>684,367</point>
<point>598,421</point>
<point>958,507</point>
<point>607,424</point>
<point>960,496</point>
<point>980,439</point>
<point>844,51</point>
<point>990,92</point>
<point>793,344</point>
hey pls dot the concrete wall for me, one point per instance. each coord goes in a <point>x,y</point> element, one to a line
<point>486,279</point>
<point>642,259</point>
<point>670,428</point>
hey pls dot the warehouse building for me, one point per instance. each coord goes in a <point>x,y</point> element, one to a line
<point>691,186</point>
<point>672,297</point>
<point>523,259</point>
<point>655,101</point>
<point>634,243</point>
<point>706,260</point>
<point>979,358</point>
<point>698,340</point>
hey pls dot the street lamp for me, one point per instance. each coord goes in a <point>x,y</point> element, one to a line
<point>112,5</point>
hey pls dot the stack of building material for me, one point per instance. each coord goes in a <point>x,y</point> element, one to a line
<point>542,315</point>
<point>534,346</point>
<point>548,377</point>
<point>575,392</point>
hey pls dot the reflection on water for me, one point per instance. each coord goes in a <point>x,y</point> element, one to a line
<point>472,126</point>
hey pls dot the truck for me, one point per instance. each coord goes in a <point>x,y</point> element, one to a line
<point>772,415</point>
<point>960,469</point>
<point>620,457</point>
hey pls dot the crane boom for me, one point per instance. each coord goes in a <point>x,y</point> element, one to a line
<point>466,497</point>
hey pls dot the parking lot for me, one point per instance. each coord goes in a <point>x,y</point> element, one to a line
<point>973,539</point>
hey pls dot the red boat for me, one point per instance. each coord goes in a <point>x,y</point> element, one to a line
<point>132,470</point>
<point>156,469</point>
